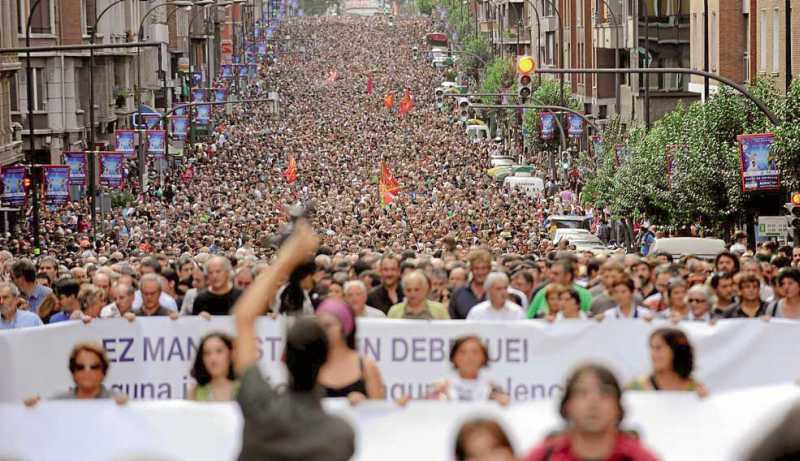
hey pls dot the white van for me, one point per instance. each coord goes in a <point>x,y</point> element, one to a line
<point>477,133</point>
<point>528,184</point>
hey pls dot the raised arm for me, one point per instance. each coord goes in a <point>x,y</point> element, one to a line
<point>256,299</point>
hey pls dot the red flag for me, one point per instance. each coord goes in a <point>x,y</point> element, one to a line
<point>291,171</point>
<point>388,186</point>
<point>188,174</point>
<point>369,85</point>
<point>388,101</point>
<point>406,104</point>
<point>332,77</point>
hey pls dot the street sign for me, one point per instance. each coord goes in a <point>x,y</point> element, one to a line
<point>773,226</point>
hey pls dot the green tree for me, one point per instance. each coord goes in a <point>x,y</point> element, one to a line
<point>425,7</point>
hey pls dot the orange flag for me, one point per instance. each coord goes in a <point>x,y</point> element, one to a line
<point>291,171</point>
<point>388,101</point>
<point>388,186</point>
<point>406,104</point>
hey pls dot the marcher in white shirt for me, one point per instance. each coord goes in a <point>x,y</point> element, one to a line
<point>623,292</point>
<point>355,295</point>
<point>497,306</point>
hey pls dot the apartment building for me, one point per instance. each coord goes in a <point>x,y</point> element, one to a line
<point>770,39</point>
<point>10,132</point>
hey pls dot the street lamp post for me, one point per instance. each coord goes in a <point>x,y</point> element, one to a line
<point>91,147</point>
<point>30,160</point>
<point>138,100</point>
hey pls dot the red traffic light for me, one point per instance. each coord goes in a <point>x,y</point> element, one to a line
<point>525,80</point>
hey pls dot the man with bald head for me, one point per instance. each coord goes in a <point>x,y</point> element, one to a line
<point>220,295</point>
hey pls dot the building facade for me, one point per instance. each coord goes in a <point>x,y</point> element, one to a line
<point>10,131</point>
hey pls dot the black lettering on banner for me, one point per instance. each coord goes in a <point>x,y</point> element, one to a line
<point>109,344</point>
<point>399,344</point>
<point>153,351</point>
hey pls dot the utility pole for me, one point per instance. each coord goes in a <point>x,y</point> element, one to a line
<point>705,50</point>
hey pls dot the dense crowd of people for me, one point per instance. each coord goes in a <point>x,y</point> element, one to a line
<point>454,245</point>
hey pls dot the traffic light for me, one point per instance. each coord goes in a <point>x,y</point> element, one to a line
<point>463,109</point>
<point>26,182</point>
<point>794,210</point>
<point>525,67</point>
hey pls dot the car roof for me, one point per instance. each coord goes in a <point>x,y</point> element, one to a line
<point>704,247</point>
<point>569,218</point>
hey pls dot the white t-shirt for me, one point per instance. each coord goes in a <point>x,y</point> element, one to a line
<point>468,390</point>
<point>485,311</point>
<point>638,312</point>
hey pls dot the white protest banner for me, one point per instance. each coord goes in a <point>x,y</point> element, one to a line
<point>676,426</point>
<point>151,358</point>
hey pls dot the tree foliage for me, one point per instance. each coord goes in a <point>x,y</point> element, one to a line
<point>705,183</point>
<point>425,6</point>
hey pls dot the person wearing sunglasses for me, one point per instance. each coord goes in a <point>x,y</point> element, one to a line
<point>698,300</point>
<point>88,363</point>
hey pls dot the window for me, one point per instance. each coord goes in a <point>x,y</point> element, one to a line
<point>550,46</point>
<point>14,95</point>
<point>762,49</point>
<point>41,20</point>
<point>39,87</point>
<point>776,41</point>
<point>88,14</point>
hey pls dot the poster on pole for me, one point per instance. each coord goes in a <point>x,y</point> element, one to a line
<point>156,142</point>
<point>548,125</point>
<point>111,168</point>
<point>597,145</point>
<point>197,78</point>
<point>180,111</point>
<point>56,184</point>
<point>253,74</point>
<point>759,167</point>
<point>220,94</point>
<point>203,114</point>
<point>152,121</point>
<point>575,126</point>
<point>13,185</point>
<point>227,71</point>
<point>198,95</point>
<point>262,49</point>
<point>76,161</point>
<point>125,142</point>
<point>180,126</point>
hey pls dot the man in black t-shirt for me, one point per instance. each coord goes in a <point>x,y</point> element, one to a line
<point>220,295</point>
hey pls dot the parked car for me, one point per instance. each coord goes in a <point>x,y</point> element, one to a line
<point>704,248</point>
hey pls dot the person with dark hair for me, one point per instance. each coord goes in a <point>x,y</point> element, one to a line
<point>213,370</point>
<point>570,306</point>
<point>66,291</point>
<point>23,274</point>
<point>88,363</point>
<point>346,373</point>
<point>788,307</point>
<point>624,294</point>
<point>750,303</point>
<point>725,291</point>
<point>289,426</point>
<point>483,439</point>
<point>672,357</point>
<point>726,262</point>
<point>389,292</point>
<point>561,272</point>
<point>294,297</point>
<point>468,355</point>
<point>591,407</point>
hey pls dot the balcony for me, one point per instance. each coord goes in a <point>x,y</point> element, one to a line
<point>510,36</point>
<point>609,36</point>
<point>487,27</point>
